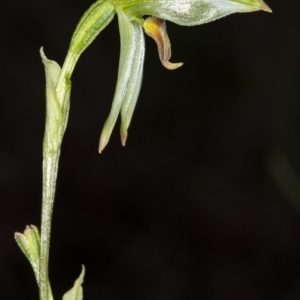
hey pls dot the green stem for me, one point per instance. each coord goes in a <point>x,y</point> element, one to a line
<point>97,17</point>
<point>50,168</point>
<point>65,75</point>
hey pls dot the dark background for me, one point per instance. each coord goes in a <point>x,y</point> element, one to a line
<point>202,203</point>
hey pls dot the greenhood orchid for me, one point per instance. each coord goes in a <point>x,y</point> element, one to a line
<point>132,26</point>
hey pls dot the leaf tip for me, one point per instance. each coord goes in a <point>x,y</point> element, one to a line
<point>17,235</point>
<point>42,53</point>
<point>82,270</point>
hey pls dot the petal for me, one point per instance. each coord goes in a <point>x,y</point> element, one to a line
<point>189,12</point>
<point>129,78</point>
<point>134,83</point>
<point>156,28</point>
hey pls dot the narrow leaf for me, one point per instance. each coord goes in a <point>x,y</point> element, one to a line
<point>29,243</point>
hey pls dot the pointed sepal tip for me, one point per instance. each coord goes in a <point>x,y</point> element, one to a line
<point>102,144</point>
<point>124,136</point>
<point>265,7</point>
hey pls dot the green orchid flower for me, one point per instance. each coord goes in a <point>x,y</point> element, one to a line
<point>132,26</point>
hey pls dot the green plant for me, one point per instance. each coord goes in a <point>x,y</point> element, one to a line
<point>58,87</point>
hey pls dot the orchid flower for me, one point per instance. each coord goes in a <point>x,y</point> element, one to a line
<point>132,26</point>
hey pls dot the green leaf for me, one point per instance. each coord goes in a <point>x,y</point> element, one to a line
<point>29,243</point>
<point>54,109</point>
<point>76,292</point>
<point>129,78</point>
<point>189,12</point>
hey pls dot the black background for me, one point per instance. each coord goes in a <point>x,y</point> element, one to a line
<point>202,203</point>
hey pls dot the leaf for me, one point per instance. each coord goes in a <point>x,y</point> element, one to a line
<point>76,292</point>
<point>189,12</point>
<point>54,111</point>
<point>129,78</point>
<point>29,243</point>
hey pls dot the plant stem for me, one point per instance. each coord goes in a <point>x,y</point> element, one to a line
<point>50,168</point>
<point>65,76</point>
<point>92,23</point>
